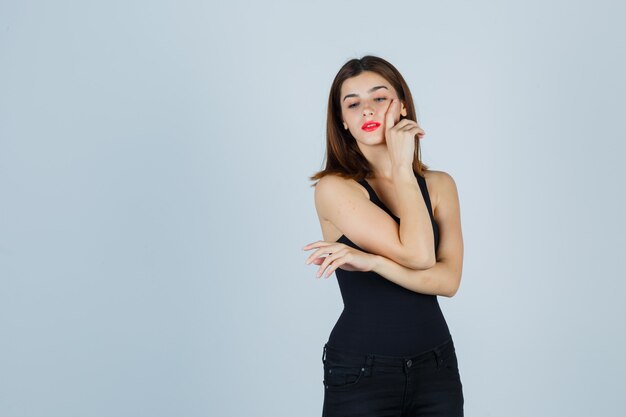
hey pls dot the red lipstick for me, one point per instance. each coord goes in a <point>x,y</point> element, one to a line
<point>370,126</point>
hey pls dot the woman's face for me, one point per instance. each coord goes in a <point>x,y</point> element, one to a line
<point>365,98</point>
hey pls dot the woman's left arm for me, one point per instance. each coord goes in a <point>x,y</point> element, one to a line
<point>441,279</point>
<point>444,277</point>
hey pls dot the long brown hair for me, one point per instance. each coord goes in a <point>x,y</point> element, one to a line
<point>343,156</point>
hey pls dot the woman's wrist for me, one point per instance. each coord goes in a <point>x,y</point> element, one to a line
<point>376,263</point>
<point>402,169</point>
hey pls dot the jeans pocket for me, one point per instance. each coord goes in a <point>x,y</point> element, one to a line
<point>341,376</point>
<point>450,361</point>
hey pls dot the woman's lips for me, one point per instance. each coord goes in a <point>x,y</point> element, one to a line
<point>370,126</point>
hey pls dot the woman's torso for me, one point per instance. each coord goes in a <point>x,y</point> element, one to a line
<point>380,316</point>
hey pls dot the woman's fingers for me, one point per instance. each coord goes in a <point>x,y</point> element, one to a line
<point>317,244</point>
<point>312,245</point>
<point>407,125</point>
<point>402,123</point>
<point>390,114</point>
<point>331,262</point>
<point>323,248</point>
<point>333,249</point>
<point>336,264</point>
<point>337,254</point>
<point>415,130</point>
<point>327,261</point>
<point>316,255</point>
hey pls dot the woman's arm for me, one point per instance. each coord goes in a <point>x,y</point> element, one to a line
<point>415,230</point>
<point>444,277</point>
<point>410,244</point>
<point>367,225</point>
<point>441,279</point>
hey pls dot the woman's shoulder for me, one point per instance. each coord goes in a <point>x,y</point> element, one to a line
<point>435,175</point>
<point>329,189</point>
<point>337,181</point>
<point>438,182</point>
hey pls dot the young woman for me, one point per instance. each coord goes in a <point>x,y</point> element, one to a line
<point>392,235</point>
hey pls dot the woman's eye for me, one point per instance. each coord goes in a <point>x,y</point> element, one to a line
<point>377,98</point>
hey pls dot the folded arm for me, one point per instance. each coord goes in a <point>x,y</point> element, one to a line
<point>344,204</point>
<point>444,277</point>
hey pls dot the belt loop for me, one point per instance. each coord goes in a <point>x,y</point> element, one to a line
<point>437,357</point>
<point>368,364</point>
<point>324,354</point>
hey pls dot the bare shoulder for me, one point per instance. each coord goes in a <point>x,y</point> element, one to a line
<point>330,187</point>
<point>441,187</point>
<point>438,177</point>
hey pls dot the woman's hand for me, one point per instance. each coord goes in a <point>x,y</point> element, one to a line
<point>400,137</point>
<point>341,256</point>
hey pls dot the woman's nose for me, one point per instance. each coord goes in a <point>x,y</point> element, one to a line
<point>367,111</point>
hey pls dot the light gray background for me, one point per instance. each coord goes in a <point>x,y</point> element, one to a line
<point>154,200</point>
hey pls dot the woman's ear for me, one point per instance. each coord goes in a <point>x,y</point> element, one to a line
<point>403,111</point>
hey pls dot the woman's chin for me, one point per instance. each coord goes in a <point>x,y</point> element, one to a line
<point>373,139</point>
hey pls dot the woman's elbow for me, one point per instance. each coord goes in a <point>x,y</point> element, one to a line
<point>422,263</point>
<point>429,261</point>
<point>451,292</point>
<point>453,287</point>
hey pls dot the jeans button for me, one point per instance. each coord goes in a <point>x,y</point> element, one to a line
<point>409,362</point>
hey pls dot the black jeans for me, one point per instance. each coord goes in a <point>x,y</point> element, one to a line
<point>362,384</point>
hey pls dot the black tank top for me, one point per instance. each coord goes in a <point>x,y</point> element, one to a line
<point>382,317</point>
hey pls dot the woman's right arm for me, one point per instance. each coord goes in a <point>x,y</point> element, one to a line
<point>341,202</point>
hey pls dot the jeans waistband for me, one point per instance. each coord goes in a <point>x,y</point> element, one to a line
<point>359,358</point>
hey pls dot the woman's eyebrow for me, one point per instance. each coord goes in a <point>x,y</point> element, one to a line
<point>369,91</point>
